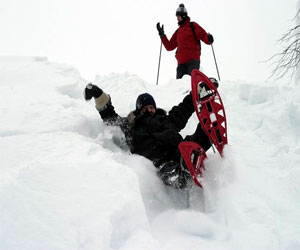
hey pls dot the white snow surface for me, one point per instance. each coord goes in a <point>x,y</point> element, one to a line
<point>65,184</point>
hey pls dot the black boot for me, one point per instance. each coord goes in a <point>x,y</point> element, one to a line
<point>204,91</point>
<point>172,175</point>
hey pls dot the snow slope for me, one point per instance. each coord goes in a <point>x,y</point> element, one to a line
<point>64,184</point>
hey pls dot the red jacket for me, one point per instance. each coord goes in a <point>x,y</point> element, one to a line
<point>184,40</point>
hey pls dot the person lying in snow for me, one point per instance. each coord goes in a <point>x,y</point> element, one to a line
<point>152,133</point>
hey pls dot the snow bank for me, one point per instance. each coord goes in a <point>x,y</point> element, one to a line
<point>64,184</point>
<point>61,185</point>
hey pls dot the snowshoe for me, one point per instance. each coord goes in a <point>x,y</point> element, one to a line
<point>193,156</point>
<point>209,108</point>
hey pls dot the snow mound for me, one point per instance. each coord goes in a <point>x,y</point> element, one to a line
<point>64,184</point>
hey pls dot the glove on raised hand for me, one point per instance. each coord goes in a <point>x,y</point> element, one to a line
<point>210,38</point>
<point>101,98</point>
<point>160,29</point>
<point>92,90</point>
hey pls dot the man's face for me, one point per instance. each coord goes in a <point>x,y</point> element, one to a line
<point>150,108</point>
<point>179,18</point>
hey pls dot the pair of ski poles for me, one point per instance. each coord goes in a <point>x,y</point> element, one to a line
<point>160,59</point>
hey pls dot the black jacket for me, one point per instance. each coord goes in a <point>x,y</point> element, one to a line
<point>154,137</point>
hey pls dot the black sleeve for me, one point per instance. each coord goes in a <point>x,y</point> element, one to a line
<point>108,114</point>
<point>180,114</point>
<point>110,117</point>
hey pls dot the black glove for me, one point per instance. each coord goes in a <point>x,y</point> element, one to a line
<point>210,38</point>
<point>92,90</point>
<point>160,29</point>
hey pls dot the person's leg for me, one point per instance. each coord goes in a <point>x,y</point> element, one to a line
<point>181,71</point>
<point>194,64</point>
<point>200,137</point>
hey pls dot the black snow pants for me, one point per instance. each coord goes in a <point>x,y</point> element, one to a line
<point>186,68</point>
<point>176,174</point>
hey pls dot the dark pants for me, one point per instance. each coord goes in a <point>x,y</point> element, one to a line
<point>199,137</point>
<point>186,68</point>
<point>175,175</point>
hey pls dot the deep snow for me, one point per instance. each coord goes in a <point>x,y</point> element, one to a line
<point>64,184</point>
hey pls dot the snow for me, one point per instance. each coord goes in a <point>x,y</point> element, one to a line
<point>65,184</point>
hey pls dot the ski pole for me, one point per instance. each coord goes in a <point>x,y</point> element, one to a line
<point>212,145</point>
<point>215,61</point>
<point>159,63</point>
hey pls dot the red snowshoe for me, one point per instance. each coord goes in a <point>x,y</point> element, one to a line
<point>209,109</point>
<point>211,114</point>
<point>193,156</point>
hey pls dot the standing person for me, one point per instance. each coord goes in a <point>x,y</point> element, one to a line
<point>187,41</point>
<point>151,132</point>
